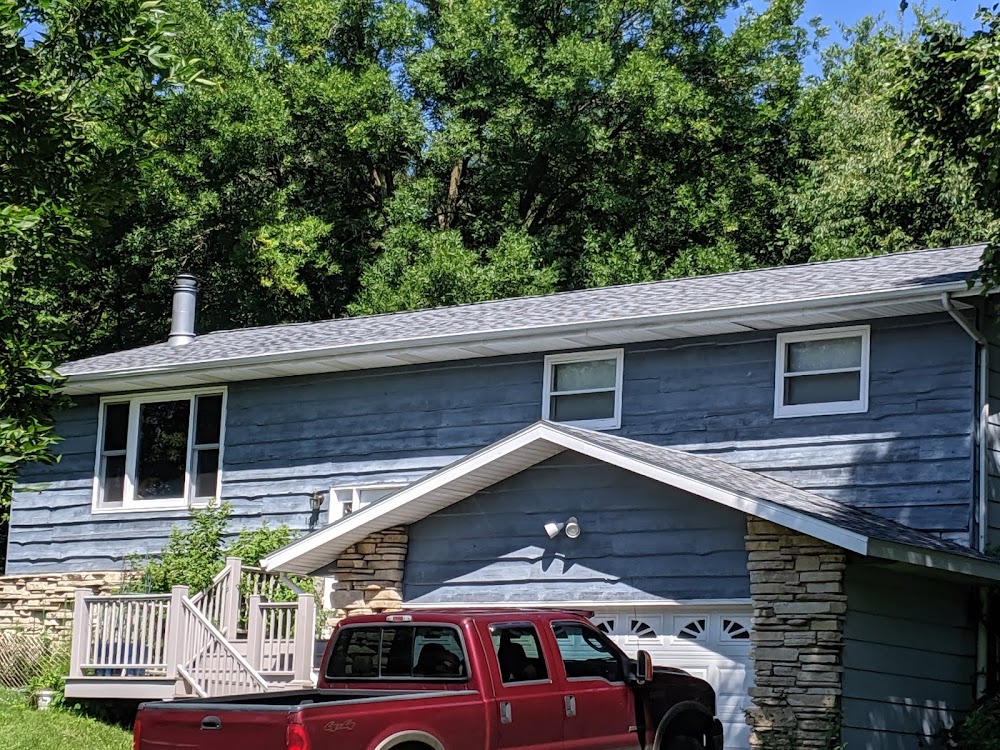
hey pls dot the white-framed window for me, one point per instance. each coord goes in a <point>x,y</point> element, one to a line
<point>584,389</point>
<point>822,372</point>
<point>159,450</point>
<point>347,500</point>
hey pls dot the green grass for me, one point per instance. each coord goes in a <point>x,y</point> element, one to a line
<point>22,728</point>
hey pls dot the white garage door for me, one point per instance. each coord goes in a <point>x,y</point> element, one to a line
<point>713,645</point>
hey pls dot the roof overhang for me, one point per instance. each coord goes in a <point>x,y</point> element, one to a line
<point>828,310</point>
<point>542,441</point>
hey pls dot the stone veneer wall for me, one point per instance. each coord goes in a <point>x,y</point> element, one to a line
<point>43,603</point>
<point>799,604</point>
<point>370,574</point>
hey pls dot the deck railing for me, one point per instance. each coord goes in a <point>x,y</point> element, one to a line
<point>220,602</point>
<point>194,639</point>
<point>121,635</point>
<point>207,661</point>
<point>280,638</point>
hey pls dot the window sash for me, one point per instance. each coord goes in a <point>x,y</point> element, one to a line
<point>347,500</point>
<point>816,408</point>
<point>550,394</point>
<point>129,500</point>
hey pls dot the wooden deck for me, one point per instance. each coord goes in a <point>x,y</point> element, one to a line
<point>229,639</point>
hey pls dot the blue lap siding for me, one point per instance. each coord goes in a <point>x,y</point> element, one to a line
<point>909,659</point>
<point>909,457</point>
<point>641,540</point>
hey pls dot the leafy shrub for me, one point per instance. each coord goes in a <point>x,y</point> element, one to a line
<point>980,729</point>
<point>196,553</point>
<point>53,677</point>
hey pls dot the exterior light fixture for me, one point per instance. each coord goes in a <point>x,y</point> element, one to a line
<point>571,527</point>
<point>316,501</point>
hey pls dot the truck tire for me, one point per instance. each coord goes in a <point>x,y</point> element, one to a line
<point>683,742</point>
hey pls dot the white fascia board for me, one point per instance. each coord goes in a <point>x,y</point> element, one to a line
<point>231,369</point>
<point>816,528</point>
<point>358,525</point>
<point>946,562</point>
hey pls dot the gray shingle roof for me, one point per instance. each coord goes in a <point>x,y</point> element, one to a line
<point>723,475</point>
<point>688,296</point>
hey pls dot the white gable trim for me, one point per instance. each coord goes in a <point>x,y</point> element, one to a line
<point>504,459</point>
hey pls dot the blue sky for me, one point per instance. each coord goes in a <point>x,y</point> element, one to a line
<point>849,11</point>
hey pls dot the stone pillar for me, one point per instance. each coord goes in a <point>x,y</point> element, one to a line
<point>797,589</point>
<point>370,574</point>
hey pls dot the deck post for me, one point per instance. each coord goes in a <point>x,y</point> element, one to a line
<point>305,638</point>
<point>175,630</point>
<point>232,598</point>
<point>255,632</point>
<point>80,640</point>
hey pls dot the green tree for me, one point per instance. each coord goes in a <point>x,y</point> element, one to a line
<point>59,177</point>
<point>948,90</point>
<point>370,155</point>
<point>586,142</point>
<point>859,192</point>
<point>197,552</point>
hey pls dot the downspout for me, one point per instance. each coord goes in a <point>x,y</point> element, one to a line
<point>984,405</point>
<point>982,636</point>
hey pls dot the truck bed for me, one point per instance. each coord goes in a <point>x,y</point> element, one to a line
<point>261,720</point>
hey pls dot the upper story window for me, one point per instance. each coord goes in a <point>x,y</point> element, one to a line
<point>159,451</point>
<point>822,372</point>
<point>347,500</point>
<point>584,389</point>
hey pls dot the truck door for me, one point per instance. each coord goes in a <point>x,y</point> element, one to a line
<point>529,707</point>
<point>598,704</point>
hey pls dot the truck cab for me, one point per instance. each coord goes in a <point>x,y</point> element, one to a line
<point>555,680</point>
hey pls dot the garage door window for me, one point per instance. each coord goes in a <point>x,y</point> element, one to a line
<point>587,654</point>
<point>692,630</point>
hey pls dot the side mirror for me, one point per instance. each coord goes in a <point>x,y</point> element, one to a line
<point>643,668</point>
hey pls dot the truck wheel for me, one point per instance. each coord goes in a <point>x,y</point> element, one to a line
<point>683,742</point>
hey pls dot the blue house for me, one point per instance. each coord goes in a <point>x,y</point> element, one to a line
<point>781,480</point>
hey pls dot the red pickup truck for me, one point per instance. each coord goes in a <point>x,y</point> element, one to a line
<point>483,679</point>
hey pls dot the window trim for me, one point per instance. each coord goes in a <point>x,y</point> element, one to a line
<point>134,401</point>
<point>857,406</point>
<point>610,423</point>
<point>354,489</point>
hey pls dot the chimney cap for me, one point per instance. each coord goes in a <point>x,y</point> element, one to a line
<point>185,281</point>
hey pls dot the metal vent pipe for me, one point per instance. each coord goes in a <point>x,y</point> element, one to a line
<point>182,317</point>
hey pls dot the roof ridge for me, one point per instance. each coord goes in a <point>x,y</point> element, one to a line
<point>566,292</point>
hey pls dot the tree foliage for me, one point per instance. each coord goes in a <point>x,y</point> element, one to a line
<point>372,155</point>
<point>60,176</point>
<point>859,191</point>
<point>948,88</point>
<point>197,552</point>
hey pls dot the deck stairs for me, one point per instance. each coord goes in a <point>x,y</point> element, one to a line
<point>248,632</point>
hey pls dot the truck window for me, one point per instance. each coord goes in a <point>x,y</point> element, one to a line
<point>586,653</point>
<point>408,652</point>
<point>518,652</point>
